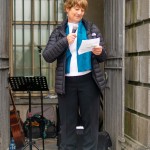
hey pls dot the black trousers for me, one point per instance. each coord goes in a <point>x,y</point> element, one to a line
<point>82,95</point>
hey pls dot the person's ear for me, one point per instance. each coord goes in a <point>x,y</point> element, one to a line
<point>67,10</point>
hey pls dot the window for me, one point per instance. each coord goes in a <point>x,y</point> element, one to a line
<point>32,24</point>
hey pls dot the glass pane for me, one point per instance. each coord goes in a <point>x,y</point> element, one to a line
<point>44,63</point>
<point>36,36</point>
<point>46,7</point>
<point>36,11</point>
<point>36,62</point>
<point>44,10</point>
<point>14,35</point>
<point>27,35</point>
<point>23,61</point>
<point>27,9</point>
<point>28,72</point>
<point>36,71</point>
<point>18,10</point>
<point>44,35</point>
<point>60,10</point>
<point>51,10</point>
<point>41,10</point>
<point>49,72</point>
<point>27,57</point>
<point>19,34</point>
<point>45,73</point>
<point>52,75</point>
<point>18,57</point>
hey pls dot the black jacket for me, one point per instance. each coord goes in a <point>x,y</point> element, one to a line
<point>56,50</point>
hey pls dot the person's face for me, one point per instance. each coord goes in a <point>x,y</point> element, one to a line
<point>75,14</point>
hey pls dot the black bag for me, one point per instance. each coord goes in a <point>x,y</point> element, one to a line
<point>41,127</point>
<point>104,141</point>
<point>51,131</point>
<point>35,132</point>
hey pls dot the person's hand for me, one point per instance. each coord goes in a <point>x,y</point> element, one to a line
<point>97,50</point>
<point>71,37</point>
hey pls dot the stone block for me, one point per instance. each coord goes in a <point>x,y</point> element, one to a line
<point>130,40</point>
<point>143,9</point>
<point>137,10</point>
<point>128,11</point>
<point>135,72</point>
<point>137,128</point>
<point>134,126</point>
<point>128,68</point>
<point>133,68</point>
<point>131,127</point>
<point>145,69</point>
<point>127,123</point>
<point>137,98</point>
<point>142,100</point>
<point>143,130</point>
<point>137,39</point>
<point>143,38</point>
<point>129,97</point>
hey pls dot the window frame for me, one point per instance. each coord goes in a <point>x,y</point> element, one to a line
<point>49,68</point>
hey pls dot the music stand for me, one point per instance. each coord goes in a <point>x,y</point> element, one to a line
<point>36,83</point>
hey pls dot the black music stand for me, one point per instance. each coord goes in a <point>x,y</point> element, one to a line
<point>31,83</point>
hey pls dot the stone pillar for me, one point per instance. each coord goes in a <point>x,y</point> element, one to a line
<point>114,16</point>
<point>4,62</point>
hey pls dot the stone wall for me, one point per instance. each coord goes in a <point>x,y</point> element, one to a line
<point>137,68</point>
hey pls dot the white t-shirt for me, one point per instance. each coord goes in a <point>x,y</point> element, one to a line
<point>73,51</point>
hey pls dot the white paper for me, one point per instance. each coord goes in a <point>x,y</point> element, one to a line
<point>88,45</point>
